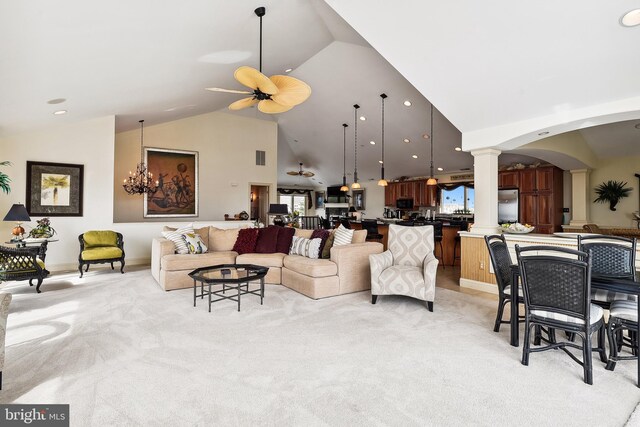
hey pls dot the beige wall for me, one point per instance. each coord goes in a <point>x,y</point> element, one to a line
<point>619,169</point>
<point>226,145</point>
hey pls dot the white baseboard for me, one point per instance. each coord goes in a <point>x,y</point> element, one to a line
<point>479,286</point>
<point>74,267</point>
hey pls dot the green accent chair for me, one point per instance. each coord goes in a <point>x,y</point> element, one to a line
<point>100,247</point>
<point>23,264</point>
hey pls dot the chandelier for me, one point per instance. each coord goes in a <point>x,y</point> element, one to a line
<point>141,181</point>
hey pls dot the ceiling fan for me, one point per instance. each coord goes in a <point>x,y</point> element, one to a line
<point>300,172</point>
<point>275,94</point>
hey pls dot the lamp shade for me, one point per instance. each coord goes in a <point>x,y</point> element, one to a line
<point>352,209</point>
<point>17,213</point>
<point>278,209</point>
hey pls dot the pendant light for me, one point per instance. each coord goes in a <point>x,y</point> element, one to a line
<point>141,181</point>
<point>382,182</point>
<point>344,187</point>
<point>355,184</point>
<point>432,180</point>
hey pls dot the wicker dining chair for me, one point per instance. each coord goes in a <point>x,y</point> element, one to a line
<point>501,262</point>
<point>622,315</point>
<point>557,285</point>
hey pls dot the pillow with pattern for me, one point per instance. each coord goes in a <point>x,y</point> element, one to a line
<point>343,236</point>
<point>309,248</point>
<point>194,243</point>
<point>176,238</point>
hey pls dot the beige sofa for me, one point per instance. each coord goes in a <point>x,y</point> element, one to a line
<point>346,271</point>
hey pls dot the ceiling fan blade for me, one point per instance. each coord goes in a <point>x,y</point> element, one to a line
<point>308,174</point>
<point>269,107</point>
<point>217,89</point>
<point>254,79</point>
<point>292,173</point>
<point>243,103</point>
<point>291,91</point>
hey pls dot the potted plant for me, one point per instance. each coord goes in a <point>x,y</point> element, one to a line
<point>612,192</point>
<point>42,229</point>
<point>5,180</point>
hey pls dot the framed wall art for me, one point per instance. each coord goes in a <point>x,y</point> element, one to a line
<point>54,189</point>
<point>319,199</point>
<point>358,199</point>
<point>176,175</point>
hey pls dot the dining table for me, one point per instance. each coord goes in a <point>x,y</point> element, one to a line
<point>607,283</point>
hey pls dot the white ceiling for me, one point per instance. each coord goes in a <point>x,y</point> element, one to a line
<point>144,59</point>
<point>614,140</point>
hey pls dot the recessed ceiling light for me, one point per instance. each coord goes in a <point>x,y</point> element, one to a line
<point>56,101</point>
<point>406,140</point>
<point>458,149</point>
<point>631,18</point>
<point>543,133</point>
<point>414,156</point>
<point>363,118</point>
<point>425,135</point>
<point>380,161</point>
<point>440,169</point>
<point>60,112</point>
<point>372,142</point>
<point>295,140</point>
<point>407,103</point>
<point>288,70</point>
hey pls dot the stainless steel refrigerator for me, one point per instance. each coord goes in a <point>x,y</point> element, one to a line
<point>508,206</point>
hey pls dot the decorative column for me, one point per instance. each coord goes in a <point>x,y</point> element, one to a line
<point>579,197</point>
<point>485,178</point>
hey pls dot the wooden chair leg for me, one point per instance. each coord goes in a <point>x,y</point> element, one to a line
<point>80,269</point>
<point>430,306</point>
<point>122,266</point>
<point>374,299</point>
<point>38,285</point>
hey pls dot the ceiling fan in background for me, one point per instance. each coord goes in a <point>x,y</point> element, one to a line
<point>275,94</point>
<point>300,172</point>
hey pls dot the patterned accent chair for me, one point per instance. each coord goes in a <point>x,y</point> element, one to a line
<point>5,300</point>
<point>23,264</point>
<point>100,247</point>
<point>409,266</point>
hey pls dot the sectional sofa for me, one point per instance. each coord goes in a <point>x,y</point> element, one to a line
<point>346,271</point>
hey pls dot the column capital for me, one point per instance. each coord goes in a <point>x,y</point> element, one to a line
<point>486,152</point>
<point>579,171</point>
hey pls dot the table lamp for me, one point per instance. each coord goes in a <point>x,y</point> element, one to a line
<point>278,210</point>
<point>17,213</point>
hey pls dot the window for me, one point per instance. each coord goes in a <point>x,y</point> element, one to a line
<point>458,200</point>
<point>294,203</point>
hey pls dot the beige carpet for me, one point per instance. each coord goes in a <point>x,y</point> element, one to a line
<point>122,352</point>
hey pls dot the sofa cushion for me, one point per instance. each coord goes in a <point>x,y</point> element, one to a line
<point>194,243</point>
<point>267,240</point>
<point>203,232</point>
<point>285,237</point>
<point>309,248</point>
<point>222,240</point>
<point>192,261</point>
<point>310,267</point>
<point>302,232</point>
<point>94,239</point>
<point>246,242</point>
<point>264,260</point>
<point>323,235</point>
<point>359,236</point>
<point>326,251</point>
<point>176,237</point>
<point>101,253</point>
<point>343,236</point>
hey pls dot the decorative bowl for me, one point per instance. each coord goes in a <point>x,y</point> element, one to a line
<point>517,228</point>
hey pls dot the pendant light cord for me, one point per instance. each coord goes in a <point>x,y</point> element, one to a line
<point>344,154</point>
<point>355,151</point>
<point>431,140</point>
<point>261,44</point>
<point>383,96</point>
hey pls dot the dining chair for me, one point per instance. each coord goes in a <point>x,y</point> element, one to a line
<point>310,222</point>
<point>464,226</point>
<point>501,263</point>
<point>371,225</point>
<point>556,284</point>
<point>622,315</point>
<point>611,256</point>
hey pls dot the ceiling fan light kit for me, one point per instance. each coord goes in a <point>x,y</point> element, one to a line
<point>300,172</point>
<point>432,180</point>
<point>344,187</point>
<point>275,94</point>
<point>383,182</point>
<point>356,184</point>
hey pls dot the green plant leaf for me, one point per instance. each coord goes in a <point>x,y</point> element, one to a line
<point>611,191</point>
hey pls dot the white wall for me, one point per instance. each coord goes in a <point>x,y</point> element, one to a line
<point>373,199</point>
<point>226,146</point>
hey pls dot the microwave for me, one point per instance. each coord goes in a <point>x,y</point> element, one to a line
<point>404,204</point>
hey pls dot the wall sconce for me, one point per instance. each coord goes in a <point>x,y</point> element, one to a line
<point>252,197</point>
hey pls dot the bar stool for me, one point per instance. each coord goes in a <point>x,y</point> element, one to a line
<point>437,238</point>
<point>371,225</point>
<point>464,225</point>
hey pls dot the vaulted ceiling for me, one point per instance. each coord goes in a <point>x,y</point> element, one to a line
<point>483,65</point>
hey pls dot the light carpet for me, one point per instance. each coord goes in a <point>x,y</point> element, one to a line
<point>123,352</point>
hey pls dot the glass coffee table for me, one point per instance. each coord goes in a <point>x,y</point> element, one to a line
<point>234,278</point>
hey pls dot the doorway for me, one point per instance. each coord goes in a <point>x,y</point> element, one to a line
<point>259,203</point>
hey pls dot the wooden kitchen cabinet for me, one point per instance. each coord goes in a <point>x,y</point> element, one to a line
<point>422,194</point>
<point>528,180</point>
<point>509,179</point>
<point>541,198</point>
<point>429,195</point>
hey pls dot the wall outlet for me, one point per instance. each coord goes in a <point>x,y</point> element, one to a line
<point>481,265</point>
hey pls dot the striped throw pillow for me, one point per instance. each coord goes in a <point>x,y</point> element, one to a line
<point>176,238</point>
<point>309,248</point>
<point>343,236</point>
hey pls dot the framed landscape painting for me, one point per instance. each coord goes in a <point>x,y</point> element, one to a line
<point>176,175</point>
<point>54,189</point>
<point>319,199</point>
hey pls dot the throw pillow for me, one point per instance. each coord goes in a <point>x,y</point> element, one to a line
<point>326,251</point>
<point>309,248</point>
<point>222,240</point>
<point>203,232</point>
<point>285,237</point>
<point>343,236</point>
<point>267,240</point>
<point>176,238</point>
<point>323,235</point>
<point>246,242</point>
<point>194,243</point>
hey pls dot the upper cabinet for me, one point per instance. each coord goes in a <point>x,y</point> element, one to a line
<point>509,179</point>
<point>422,194</point>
